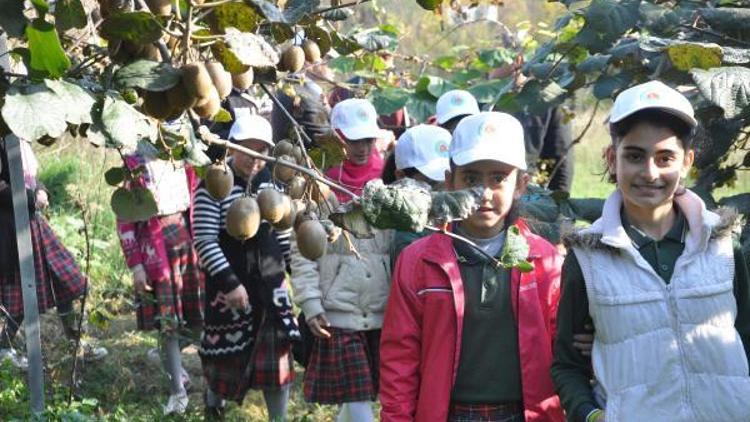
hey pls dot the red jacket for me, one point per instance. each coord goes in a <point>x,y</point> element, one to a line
<point>421,337</point>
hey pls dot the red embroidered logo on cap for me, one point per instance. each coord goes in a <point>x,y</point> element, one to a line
<point>457,100</point>
<point>362,114</point>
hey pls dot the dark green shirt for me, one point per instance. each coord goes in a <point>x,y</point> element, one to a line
<point>571,371</point>
<point>489,369</point>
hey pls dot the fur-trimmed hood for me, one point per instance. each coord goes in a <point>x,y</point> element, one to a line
<point>704,225</point>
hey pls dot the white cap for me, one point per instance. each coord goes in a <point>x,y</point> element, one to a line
<point>424,147</point>
<point>652,94</point>
<point>356,119</point>
<point>455,103</point>
<point>489,135</point>
<point>250,126</point>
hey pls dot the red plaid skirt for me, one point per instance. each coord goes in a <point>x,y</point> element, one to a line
<point>176,301</point>
<point>343,368</point>
<point>506,412</point>
<point>58,277</point>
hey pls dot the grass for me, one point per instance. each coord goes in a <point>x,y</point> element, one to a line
<point>127,386</point>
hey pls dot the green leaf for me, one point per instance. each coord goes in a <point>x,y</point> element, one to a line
<point>69,14</point>
<point>124,125</point>
<point>297,9</point>
<point>445,62</point>
<point>222,116</point>
<point>462,77</point>
<point>420,108</point>
<point>136,204</point>
<point>48,59</point>
<point>224,55</point>
<point>77,101</point>
<point>41,6</point>
<point>489,91</point>
<point>538,98</point>
<point>343,64</point>
<point>344,45</point>
<point>606,21</point>
<point>686,55</point>
<point>659,19</point>
<point>388,100</point>
<point>12,19</point>
<point>267,9</point>
<point>337,15</point>
<point>608,85</point>
<point>115,176</point>
<point>320,36</point>
<point>729,20</point>
<point>236,15</point>
<point>251,49</point>
<point>136,27</point>
<point>736,56</point>
<point>148,75</point>
<point>496,57</point>
<point>34,111</point>
<point>376,40</point>
<point>281,32</point>
<point>595,63</point>
<point>515,250</point>
<point>726,87</point>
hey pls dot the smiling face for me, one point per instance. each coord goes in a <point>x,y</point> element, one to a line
<point>648,163</point>
<point>245,165</point>
<point>503,184</point>
<point>358,152</point>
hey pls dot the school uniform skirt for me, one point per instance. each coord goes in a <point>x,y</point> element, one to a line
<point>343,368</point>
<point>58,277</point>
<point>177,300</point>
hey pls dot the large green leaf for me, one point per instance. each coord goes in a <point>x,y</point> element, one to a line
<point>608,85</point>
<point>267,9</point>
<point>69,14</point>
<point>148,75</point>
<point>606,21</point>
<point>388,99</point>
<point>736,56</point>
<point>77,101</point>
<point>489,91</point>
<point>594,63</point>
<point>538,98</point>
<point>336,15</point>
<point>136,204</point>
<point>297,9</point>
<point>34,111</point>
<point>729,20</point>
<point>433,86</point>
<point>344,45</point>
<point>41,6</point>
<point>227,58</point>
<point>687,55</point>
<point>659,19</point>
<point>420,108</point>
<point>11,17</point>
<point>726,87</point>
<point>236,15</point>
<point>320,36</point>
<point>376,40</point>
<point>136,27</point>
<point>281,31</point>
<point>251,49</point>
<point>48,59</point>
<point>124,125</point>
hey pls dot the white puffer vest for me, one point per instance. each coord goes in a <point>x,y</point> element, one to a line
<point>665,352</point>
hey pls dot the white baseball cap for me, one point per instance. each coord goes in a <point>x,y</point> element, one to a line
<point>455,103</point>
<point>356,119</point>
<point>250,126</point>
<point>489,135</point>
<point>654,94</point>
<point>424,147</point>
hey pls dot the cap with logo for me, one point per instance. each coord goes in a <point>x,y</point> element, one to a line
<point>454,103</point>
<point>489,135</point>
<point>652,95</point>
<point>250,126</point>
<point>355,119</point>
<point>424,147</point>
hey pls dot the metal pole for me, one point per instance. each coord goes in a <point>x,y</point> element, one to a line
<point>28,275</point>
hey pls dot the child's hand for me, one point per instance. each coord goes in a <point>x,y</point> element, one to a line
<point>584,342</point>
<point>42,199</point>
<point>317,323</point>
<point>140,280</point>
<point>237,298</point>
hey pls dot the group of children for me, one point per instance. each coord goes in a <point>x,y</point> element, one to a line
<point>425,321</point>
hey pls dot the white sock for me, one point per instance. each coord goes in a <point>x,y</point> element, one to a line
<point>358,411</point>
<point>173,362</point>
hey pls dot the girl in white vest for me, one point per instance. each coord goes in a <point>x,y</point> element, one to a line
<point>660,279</point>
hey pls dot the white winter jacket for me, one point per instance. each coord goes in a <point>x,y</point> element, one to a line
<point>351,291</point>
<point>666,352</point>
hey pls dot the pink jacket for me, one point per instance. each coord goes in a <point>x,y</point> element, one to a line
<point>421,337</point>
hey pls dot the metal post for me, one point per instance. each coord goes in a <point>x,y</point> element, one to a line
<point>28,275</point>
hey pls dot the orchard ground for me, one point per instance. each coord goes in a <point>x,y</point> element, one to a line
<point>127,385</point>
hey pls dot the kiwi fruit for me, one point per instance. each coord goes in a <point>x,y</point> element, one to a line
<point>219,181</point>
<point>243,81</point>
<point>293,59</point>
<point>160,7</point>
<point>179,98</point>
<point>156,105</point>
<point>221,79</point>
<point>273,205</point>
<point>210,106</point>
<point>243,218</point>
<point>296,187</point>
<point>283,147</point>
<point>197,81</point>
<point>287,220</point>
<point>149,52</point>
<point>282,172</point>
<point>311,50</point>
<point>312,239</point>
<point>320,191</point>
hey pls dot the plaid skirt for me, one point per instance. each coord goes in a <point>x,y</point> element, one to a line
<point>58,277</point>
<point>343,368</point>
<point>508,412</point>
<point>177,301</point>
<point>267,365</point>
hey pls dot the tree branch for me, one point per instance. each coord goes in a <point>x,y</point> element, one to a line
<point>341,6</point>
<point>576,141</point>
<point>460,238</point>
